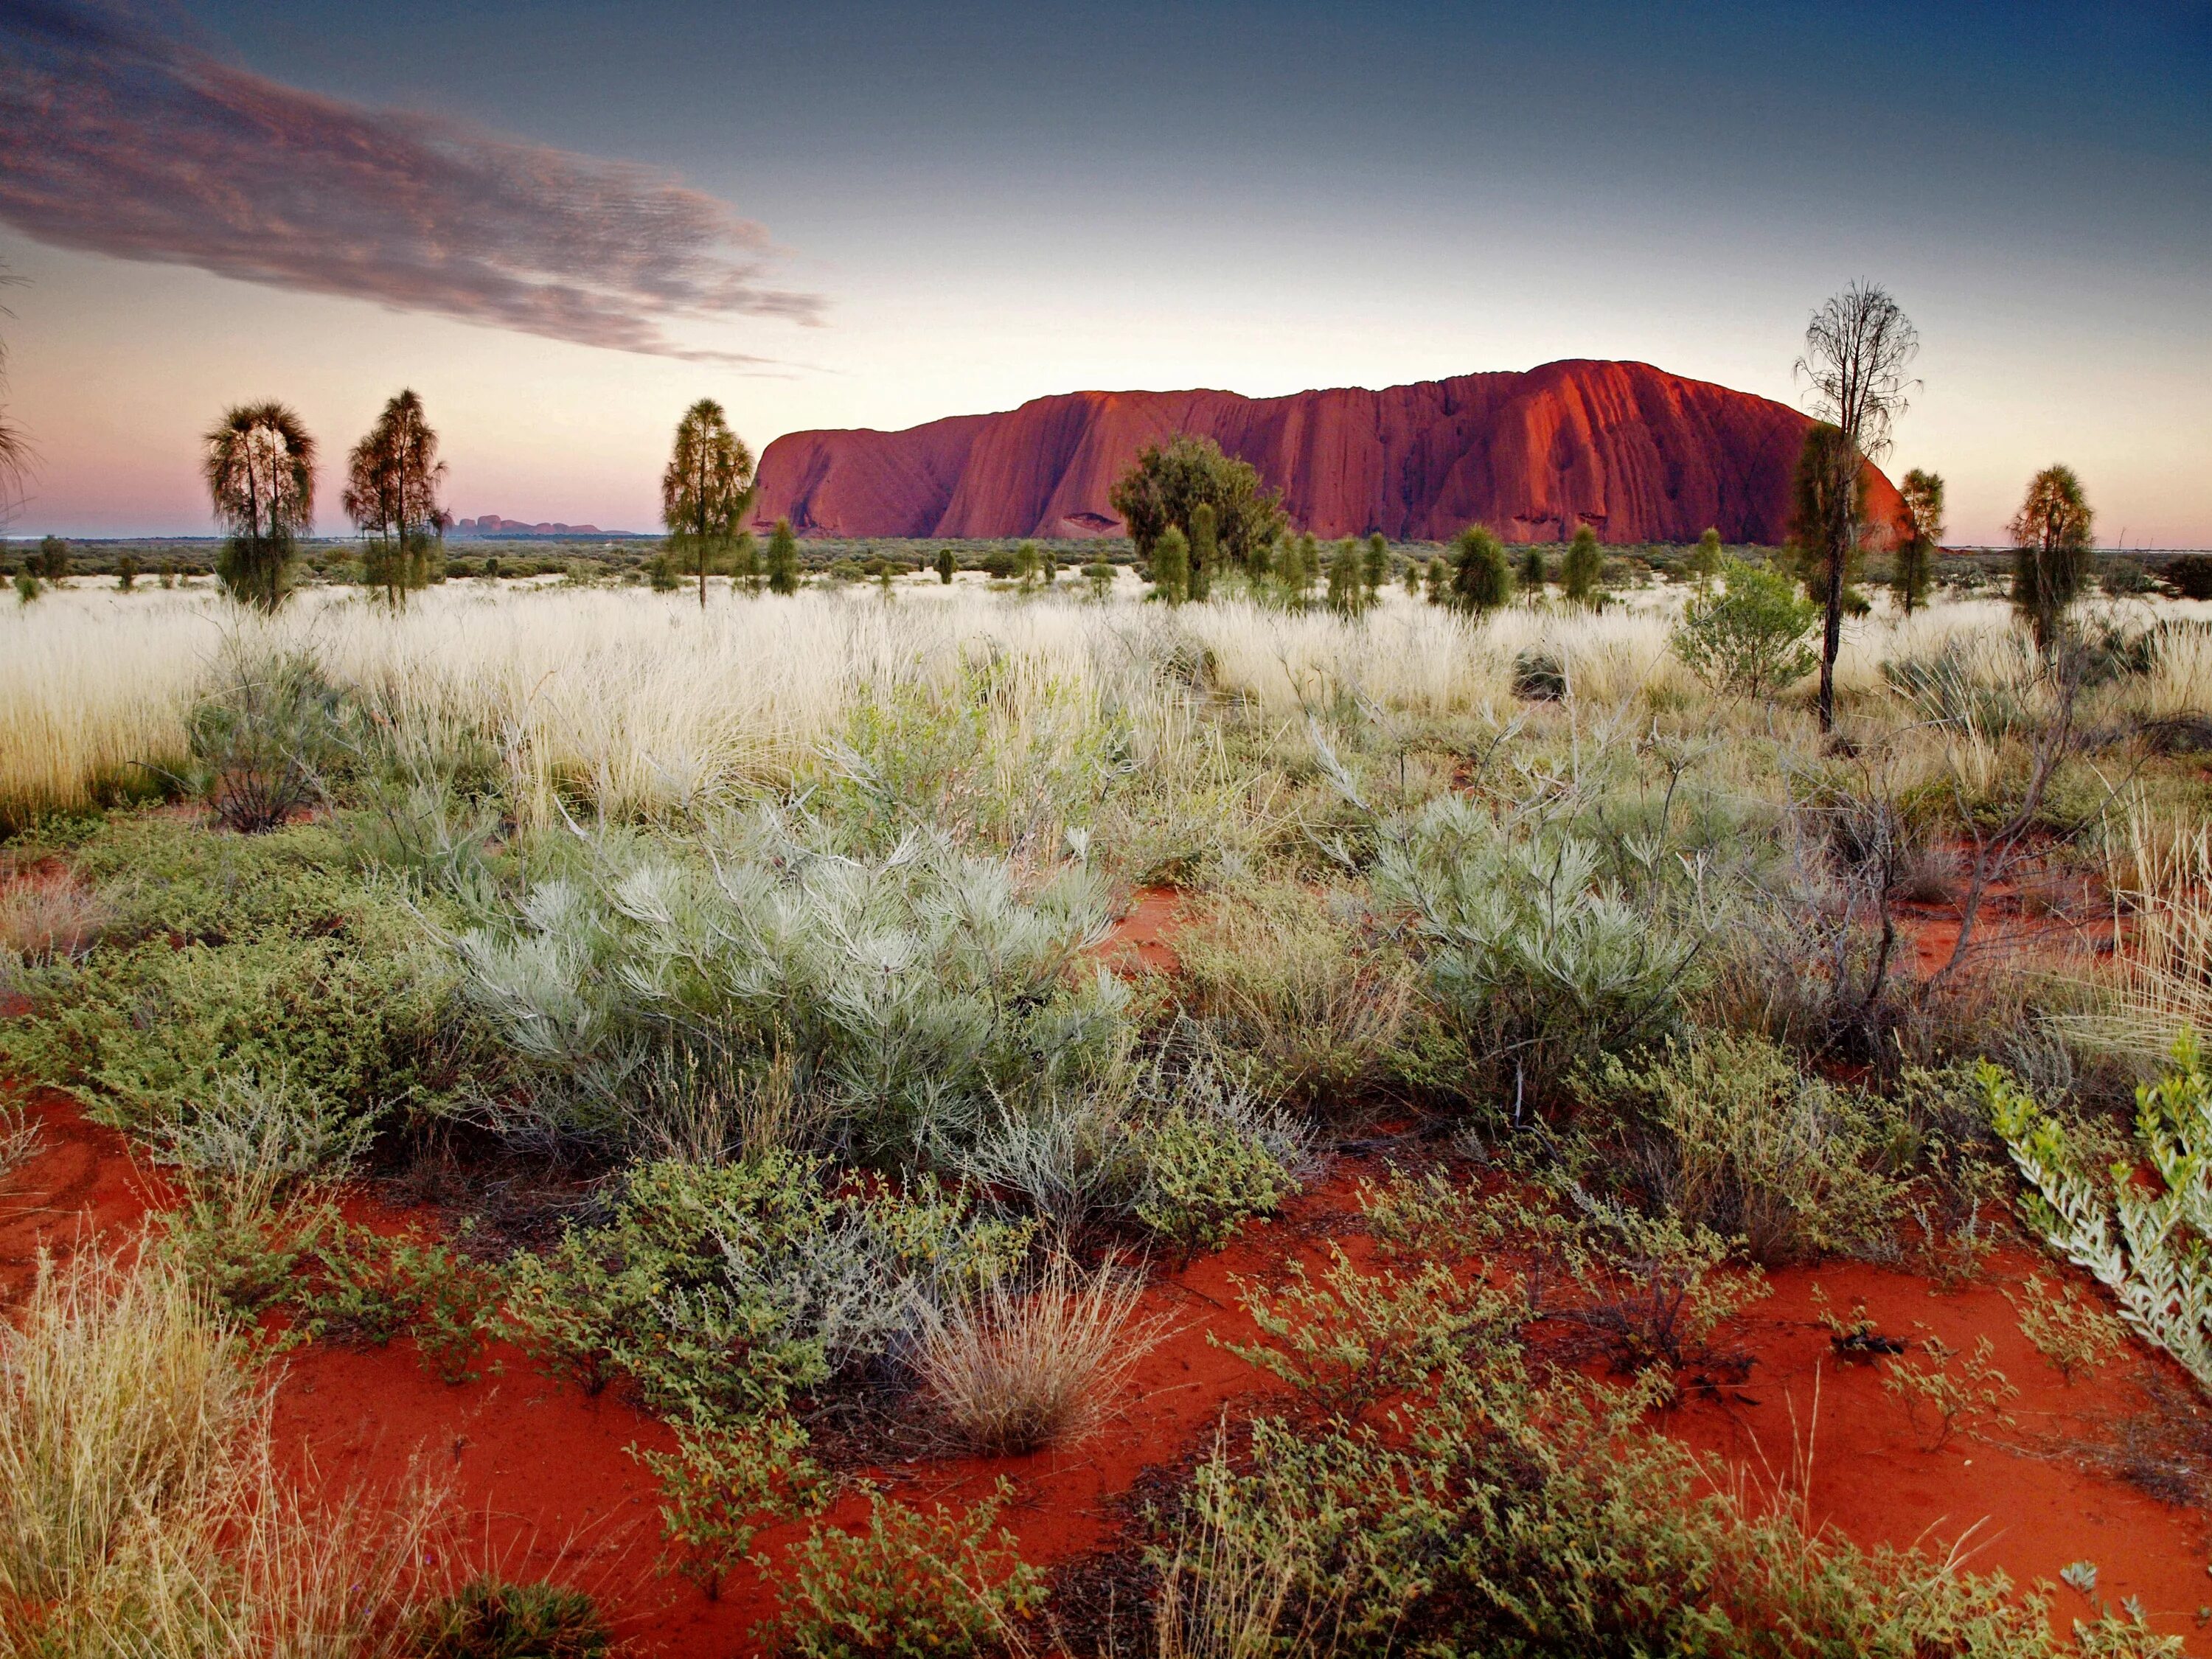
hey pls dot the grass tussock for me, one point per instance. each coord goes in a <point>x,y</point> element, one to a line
<point>1014,1369</point>
<point>142,1509</point>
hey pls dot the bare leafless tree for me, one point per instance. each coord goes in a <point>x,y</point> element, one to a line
<point>1858,347</point>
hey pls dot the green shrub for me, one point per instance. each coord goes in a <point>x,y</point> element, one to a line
<point>491,1619</point>
<point>721,1293</point>
<point>265,736</point>
<point>912,1584</point>
<point>1294,981</point>
<point>1538,963</point>
<point>721,1485</point>
<point>2151,1247</point>
<point>270,972</point>
<point>1206,1175</point>
<point>1727,1133</point>
<point>1747,637</point>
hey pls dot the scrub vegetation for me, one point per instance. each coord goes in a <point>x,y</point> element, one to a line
<point>1663,936</point>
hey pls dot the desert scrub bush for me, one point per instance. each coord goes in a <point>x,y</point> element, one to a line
<point>491,1618</point>
<point>721,1485</point>
<point>1213,1160</point>
<point>1726,1131</point>
<point>2151,1247</point>
<point>912,1583</point>
<point>1014,1367</point>
<point>1538,960</point>
<point>1942,1399</point>
<point>265,734</point>
<point>1298,981</point>
<point>2067,1326</point>
<point>1500,1512</point>
<point>43,921</point>
<point>722,1292</point>
<point>907,992</point>
<point>141,1508</point>
<point>1352,1339</point>
<point>234,961</point>
<point>1649,1289</point>
<point>1180,1140</point>
<point>1747,638</point>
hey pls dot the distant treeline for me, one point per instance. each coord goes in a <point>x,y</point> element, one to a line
<point>337,561</point>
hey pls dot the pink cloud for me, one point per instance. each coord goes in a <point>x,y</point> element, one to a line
<point>119,140</point>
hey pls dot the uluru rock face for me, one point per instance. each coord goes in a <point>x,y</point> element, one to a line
<point>1638,454</point>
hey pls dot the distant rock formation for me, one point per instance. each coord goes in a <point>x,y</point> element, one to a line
<point>1637,454</point>
<point>492,524</point>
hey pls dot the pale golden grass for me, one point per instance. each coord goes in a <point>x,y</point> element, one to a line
<point>142,1509</point>
<point>44,918</point>
<point>638,702</point>
<point>1014,1369</point>
<point>2161,879</point>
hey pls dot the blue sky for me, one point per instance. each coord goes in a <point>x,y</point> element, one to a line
<point>892,213</point>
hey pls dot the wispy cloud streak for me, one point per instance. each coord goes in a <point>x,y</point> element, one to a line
<point>116,138</point>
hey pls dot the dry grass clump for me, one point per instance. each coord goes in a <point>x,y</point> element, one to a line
<point>41,920</point>
<point>141,1508</point>
<point>1015,1369</point>
<point>2162,877</point>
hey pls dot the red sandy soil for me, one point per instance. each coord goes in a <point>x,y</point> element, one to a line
<point>545,1485</point>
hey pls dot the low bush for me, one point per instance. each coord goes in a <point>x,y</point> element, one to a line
<point>721,1293</point>
<point>1301,984</point>
<point>1725,1132</point>
<point>238,969</point>
<point>1540,959</point>
<point>721,1485</point>
<point>491,1618</point>
<point>1502,1512</point>
<point>1747,638</point>
<point>912,1583</point>
<point>265,736</point>
<point>2148,1246</point>
<point>908,992</point>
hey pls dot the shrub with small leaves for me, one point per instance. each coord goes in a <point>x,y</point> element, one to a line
<point>911,1584</point>
<point>491,1619</point>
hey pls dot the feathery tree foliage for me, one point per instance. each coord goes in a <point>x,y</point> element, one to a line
<point>1858,347</point>
<point>1167,482</point>
<point>945,566</point>
<point>1705,559</point>
<point>1377,565</point>
<point>1580,570</point>
<point>707,490</point>
<point>260,473</point>
<point>53,558</point>
<point>2054,555</point>
<point>1813,515</point>
<point>1914,569</point>
<point>392,479</point>
<point>1348,582</point>
<point>1533,574</point>
<point>782,559</point>
<point>1171,566</point>
<point>1482,577</point>
<point>1204,550</point>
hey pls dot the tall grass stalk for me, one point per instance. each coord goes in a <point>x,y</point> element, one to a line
<point>142,1508</point>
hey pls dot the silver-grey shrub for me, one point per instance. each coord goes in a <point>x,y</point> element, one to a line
<point>1540,957</point>
<point>904,994</point>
